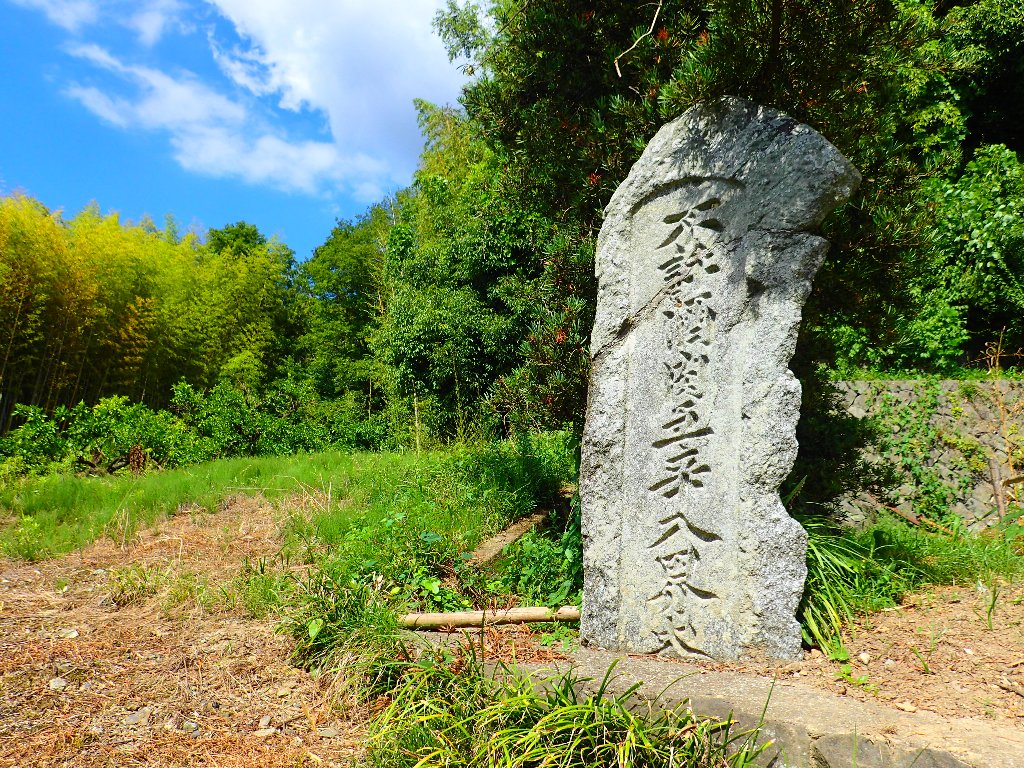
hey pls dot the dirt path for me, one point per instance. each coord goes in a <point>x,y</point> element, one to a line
<point>935,653</point>
<point>166,680</point>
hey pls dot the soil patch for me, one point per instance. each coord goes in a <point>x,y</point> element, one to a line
<point>85,682</point>
<point>935,653</point>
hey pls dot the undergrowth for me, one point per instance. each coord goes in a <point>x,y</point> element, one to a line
<point>546,567</point>
<point>370,509</point>
<point>455,714</point>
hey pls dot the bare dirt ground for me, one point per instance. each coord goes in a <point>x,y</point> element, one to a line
<point>84,682</point>
<point>162,682</point>
<point>935,653</point>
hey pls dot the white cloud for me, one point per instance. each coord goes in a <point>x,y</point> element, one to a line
<point>148,19</point>
<point>160,101</point>
<point>72,15</point>
<point>362,63</point>
<point>357,63</point>
<point>151,20</point>
<point>303,166</point>
<point>214,135</point>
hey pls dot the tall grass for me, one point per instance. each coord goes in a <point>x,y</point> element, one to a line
<point>455,714</point>
<point>65,512</point>
<point>458,495</point>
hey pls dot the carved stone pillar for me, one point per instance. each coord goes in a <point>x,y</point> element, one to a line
<point>704,262</point>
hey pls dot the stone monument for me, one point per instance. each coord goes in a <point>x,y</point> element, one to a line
<point>704,262</point>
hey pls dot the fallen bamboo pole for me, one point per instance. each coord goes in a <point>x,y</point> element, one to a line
<point>487,618</point>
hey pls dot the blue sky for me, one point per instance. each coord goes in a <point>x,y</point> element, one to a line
<point>285,113</point>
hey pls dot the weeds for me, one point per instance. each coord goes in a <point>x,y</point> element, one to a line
<point>134,583</point>
<point>922,659</point>
<point>461,495</point>
<point>991,591</point>
<point>339,624</point>
<point>261,590</point>
<point>24,540</point>
<point>457,715</point>
<point>190,590</point>
<point>853,572</point>
<point>60,513</point>
<point>547,570</point>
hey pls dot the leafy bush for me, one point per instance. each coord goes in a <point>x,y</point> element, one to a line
<point>547,570</point>
<point>288,418</point>
<point>978,270</point>
<point>220,423</point>
<point>98,437</point>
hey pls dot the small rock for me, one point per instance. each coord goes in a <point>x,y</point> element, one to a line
<point>264,733</point>
<point>814,653</point>
<point>864,658</point>
<point>282,692</point>
<point>841,690</point>
<point>67,633</point>
<point>265,721</point>
<point>96,730</point>
<point>890,663</point>
<point>139,717</point>
<point>328,733</point>
<point>906,706</point>
<point>969,651</point>
<point>189,726</point>
<point>58,684</point>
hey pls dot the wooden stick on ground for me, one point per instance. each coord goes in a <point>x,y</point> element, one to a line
<point>489,550</point>
<point>488,618</point>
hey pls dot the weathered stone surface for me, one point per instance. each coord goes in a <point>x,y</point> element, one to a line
<point>704,262</point>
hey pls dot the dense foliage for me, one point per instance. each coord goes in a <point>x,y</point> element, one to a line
<point>462,305</point>
<point>92,307</point>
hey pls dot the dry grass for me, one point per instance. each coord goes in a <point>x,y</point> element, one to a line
<point>219,688</point>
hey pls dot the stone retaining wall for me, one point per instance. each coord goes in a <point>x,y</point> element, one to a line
<point>954,444</point>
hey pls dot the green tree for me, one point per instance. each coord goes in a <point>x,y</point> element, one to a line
<point>460,281</point>
<point>567,94</point>
<point>343,299</point>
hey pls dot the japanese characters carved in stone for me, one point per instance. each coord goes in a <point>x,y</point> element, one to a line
<point>704,263</point>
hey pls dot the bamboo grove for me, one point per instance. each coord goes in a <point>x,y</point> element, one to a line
<point>92,307</point>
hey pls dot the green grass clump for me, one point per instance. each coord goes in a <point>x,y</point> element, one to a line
<point>260,589</point>
<point>457,715</point>
<point>855,572</point>
<point>348,627</point>
<point>134,583</point>
<point>458,495</point>
<point>546,567</point>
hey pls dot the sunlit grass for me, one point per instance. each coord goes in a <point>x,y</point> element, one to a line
<point>58,513</point>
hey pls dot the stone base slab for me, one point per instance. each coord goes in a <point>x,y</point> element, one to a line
<point>808,728</point>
